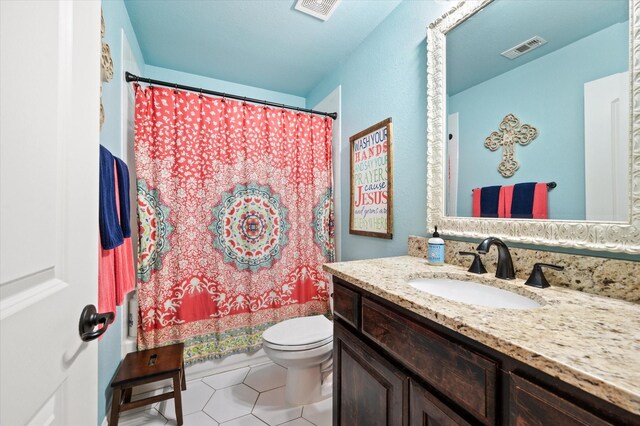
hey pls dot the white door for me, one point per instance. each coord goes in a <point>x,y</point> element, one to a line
<point>49,133</point>
<point>606,149</point>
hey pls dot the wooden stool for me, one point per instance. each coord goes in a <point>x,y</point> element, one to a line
<point>139,368</point>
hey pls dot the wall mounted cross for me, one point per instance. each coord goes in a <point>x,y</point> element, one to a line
<point>510,134</point>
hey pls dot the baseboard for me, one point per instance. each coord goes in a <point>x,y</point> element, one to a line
<point>232,362</point>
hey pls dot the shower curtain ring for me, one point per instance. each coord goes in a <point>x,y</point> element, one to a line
<point>224,97</point>
<point>175,89</point>
<point>200,93</point>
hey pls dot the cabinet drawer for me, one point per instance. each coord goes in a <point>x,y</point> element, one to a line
<point>346,304</point>
<point>532,405</point>
<point>426,410</point>
<point>466,378</point>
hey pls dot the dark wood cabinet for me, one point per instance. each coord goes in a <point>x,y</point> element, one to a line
<point>465,377</point>
<point>393,367</point>
<point>368,390</point>
<point>427,410</point>
<point>532,405</point>
<point>347,305</point>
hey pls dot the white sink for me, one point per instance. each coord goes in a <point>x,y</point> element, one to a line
<point>473,293</point>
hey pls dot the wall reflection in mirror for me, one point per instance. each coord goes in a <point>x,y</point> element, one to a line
<point>561,68</point>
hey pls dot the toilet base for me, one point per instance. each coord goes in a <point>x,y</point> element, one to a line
<point>303,385</point>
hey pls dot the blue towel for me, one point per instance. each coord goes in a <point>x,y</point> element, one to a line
<point>110,231</point>
<point>522,202</point>
<point>123,192</point>
<point>489,201</point>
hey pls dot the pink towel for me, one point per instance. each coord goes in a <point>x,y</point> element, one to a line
<point>540,201</point>
<point>124,272</point>
<point>123,262</point>
<point>504,201</point>
<point>476,201</point>
<point>106,280</point>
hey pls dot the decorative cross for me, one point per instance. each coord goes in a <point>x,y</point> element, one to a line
<point>511,133</point>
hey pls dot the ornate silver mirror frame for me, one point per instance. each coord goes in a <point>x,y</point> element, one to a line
<point>612,236</point>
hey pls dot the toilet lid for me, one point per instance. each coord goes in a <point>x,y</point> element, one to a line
<point>302,331</point>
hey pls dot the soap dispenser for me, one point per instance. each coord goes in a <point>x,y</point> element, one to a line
<point>435,249</point>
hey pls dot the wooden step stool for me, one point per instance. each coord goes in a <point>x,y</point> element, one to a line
<point>139,368</point>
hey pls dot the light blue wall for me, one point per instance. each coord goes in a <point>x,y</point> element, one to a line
<point>116,19</point>
<point>386,77</point>
<point>193,80</point>
<point>547,93</point>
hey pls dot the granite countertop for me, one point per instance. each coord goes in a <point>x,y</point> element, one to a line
<point>589,341</point>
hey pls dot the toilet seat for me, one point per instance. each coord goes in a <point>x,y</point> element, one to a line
<point>293,348</point>
<point>299,334</point>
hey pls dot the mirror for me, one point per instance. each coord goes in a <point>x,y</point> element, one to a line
<point>564,70</point>
<point>543,115</point>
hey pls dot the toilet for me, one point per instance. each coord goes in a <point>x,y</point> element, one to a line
<point>304,347</point>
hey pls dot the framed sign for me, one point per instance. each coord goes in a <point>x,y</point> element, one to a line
<point>371,208</point>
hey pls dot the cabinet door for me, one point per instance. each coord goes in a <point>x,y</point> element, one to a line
<point>367,389</point>
<point>532,405</point>
<point>427,410</point>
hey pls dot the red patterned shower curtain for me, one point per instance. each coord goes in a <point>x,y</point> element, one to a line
<point>235,217</point>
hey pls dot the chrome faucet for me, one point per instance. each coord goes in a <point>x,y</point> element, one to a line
<point>504,268</point>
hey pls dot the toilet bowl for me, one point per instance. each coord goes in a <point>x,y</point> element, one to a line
<point>302,346</point>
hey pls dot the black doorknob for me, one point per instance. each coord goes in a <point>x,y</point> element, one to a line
<point>89,319</point>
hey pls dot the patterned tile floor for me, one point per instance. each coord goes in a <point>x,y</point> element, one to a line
<point>249,396</point>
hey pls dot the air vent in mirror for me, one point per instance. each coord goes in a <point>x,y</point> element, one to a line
<point>521,48</point>
<point>321,9</point>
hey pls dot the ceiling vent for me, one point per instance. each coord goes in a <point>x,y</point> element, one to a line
<point>321,9</point>
<point>525,47</point>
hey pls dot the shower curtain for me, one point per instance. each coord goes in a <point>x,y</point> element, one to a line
<point>235,216</point>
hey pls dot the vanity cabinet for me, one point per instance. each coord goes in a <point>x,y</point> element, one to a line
<point>534,405</point>
<point>370,390</point>
<point>393,367</point>
<point>427,410</point>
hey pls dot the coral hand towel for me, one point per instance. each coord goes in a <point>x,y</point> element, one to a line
<point>106,280</point>
<point>505,200</point>
<point>541,201</point>
<point>476,202</point>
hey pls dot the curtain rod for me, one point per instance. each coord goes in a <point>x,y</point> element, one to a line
<point>130,77</point>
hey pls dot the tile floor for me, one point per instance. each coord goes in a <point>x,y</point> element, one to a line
<point>249,396</point>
